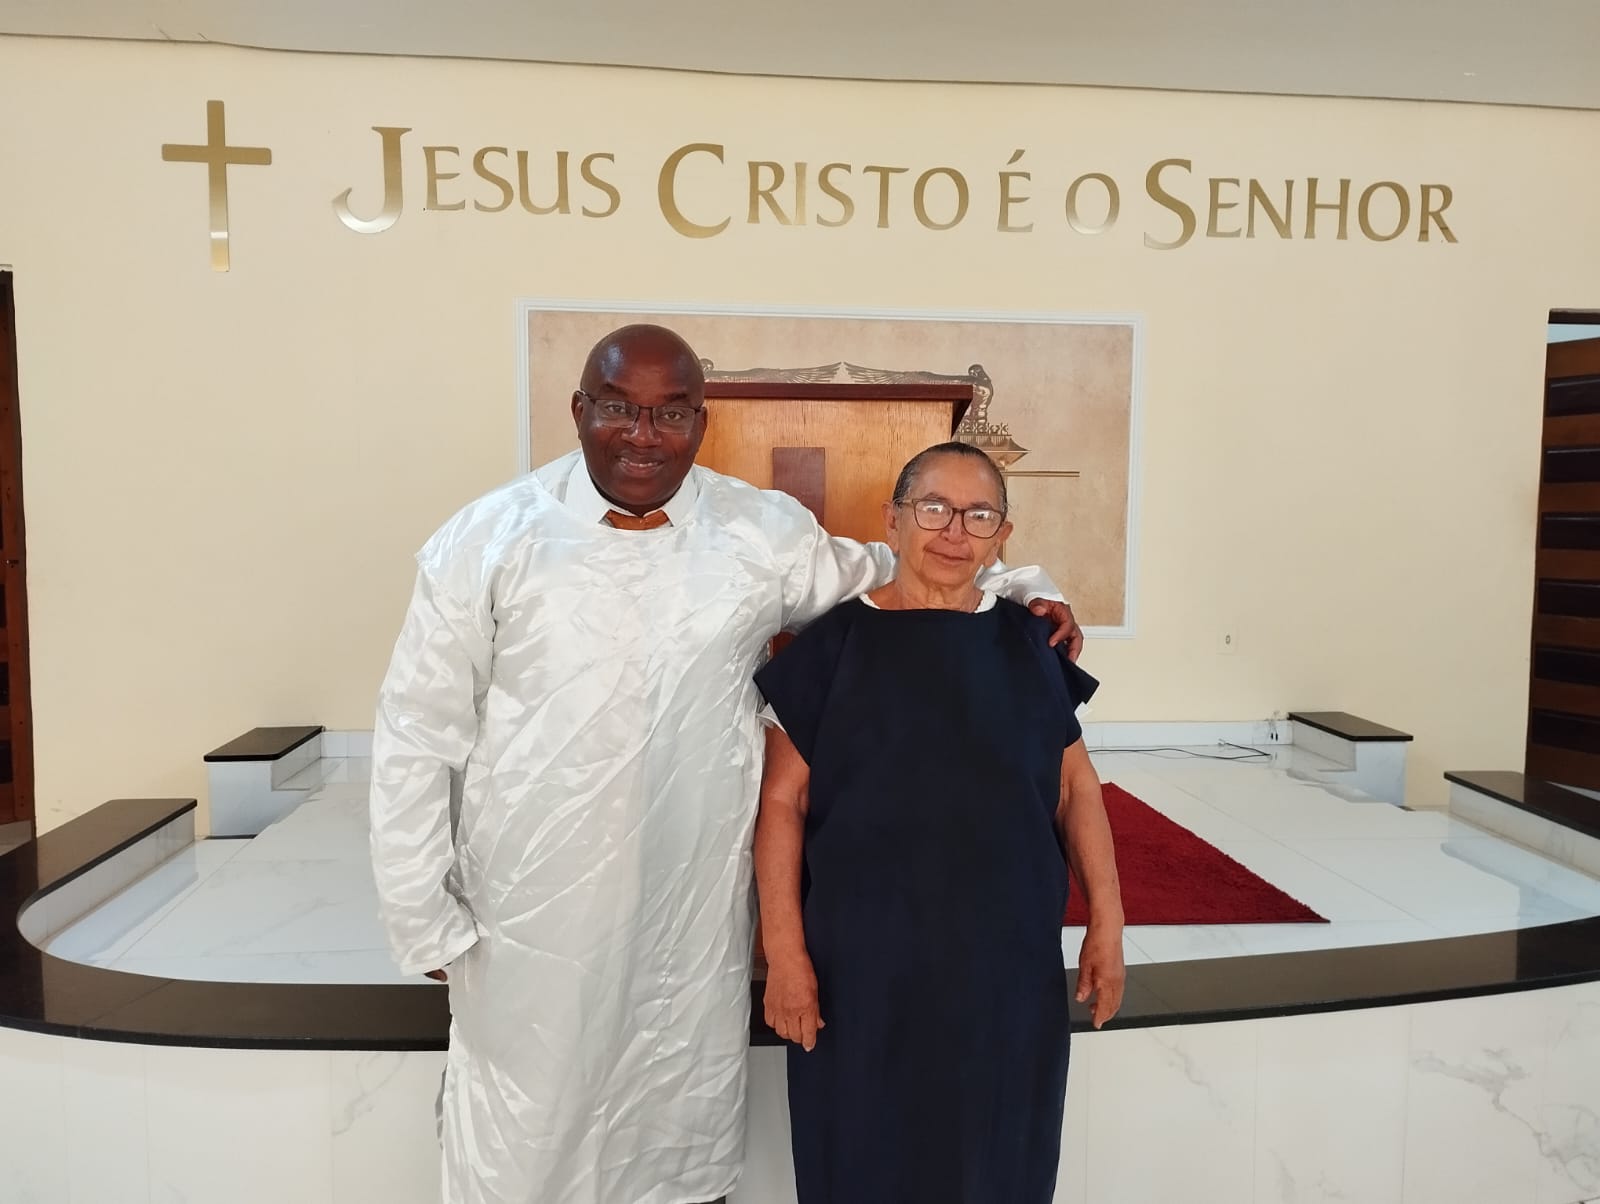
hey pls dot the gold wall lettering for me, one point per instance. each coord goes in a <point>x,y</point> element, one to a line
<point>1324,200</point>
<point>775,193</point>
<point>703,192</point>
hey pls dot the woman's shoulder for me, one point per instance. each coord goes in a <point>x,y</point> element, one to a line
<point>1036,630</point>
<point>797,678</point>
<point>831,628</point>
<point>1024,620</point>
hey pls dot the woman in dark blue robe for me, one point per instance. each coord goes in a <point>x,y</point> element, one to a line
<point>926,786</point>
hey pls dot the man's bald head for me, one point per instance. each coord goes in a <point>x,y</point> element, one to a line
<point>640,413</point>
<point>643,343</point>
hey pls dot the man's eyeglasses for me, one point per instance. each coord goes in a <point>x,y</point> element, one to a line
<point>935,514</point>
<point>673,418</point>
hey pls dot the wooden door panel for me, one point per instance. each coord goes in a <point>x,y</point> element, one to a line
<point>1572,564</point>
<point>1574,497</point>
<point>1564,662</point>
<point>1568,364</point>
<point>1564,696</point>
<point>1576,430</point>
<point>1566,766</point>
<point>1566,631</point>
<point>16,730</point>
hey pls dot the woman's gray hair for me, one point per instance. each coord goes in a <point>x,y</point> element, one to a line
<point>908,475</point>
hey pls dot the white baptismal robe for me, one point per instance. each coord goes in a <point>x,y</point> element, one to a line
<point>585,694</point>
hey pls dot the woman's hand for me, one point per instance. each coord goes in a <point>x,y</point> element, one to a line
<point>791,1001</point>
<point>1101,972</point>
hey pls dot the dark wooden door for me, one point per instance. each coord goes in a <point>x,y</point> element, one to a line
<point>1564,678</point>
<point>16,711</point>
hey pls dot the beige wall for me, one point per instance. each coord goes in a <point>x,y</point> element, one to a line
<point>226,474</point>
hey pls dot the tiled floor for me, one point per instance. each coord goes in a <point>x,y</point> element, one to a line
<point>297,903</point>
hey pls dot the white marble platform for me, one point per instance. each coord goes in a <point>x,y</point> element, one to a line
<point>297,902</point>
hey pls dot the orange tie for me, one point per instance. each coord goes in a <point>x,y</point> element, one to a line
<point>634,522</point>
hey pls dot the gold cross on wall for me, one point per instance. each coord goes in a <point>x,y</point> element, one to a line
<point>217,155</point>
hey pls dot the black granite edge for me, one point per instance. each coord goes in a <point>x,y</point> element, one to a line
<point>1536,796</point>
<point>79,845</point>
<point>307,1016</point>
<point>1312,982</point>
<point>1082,1024</point>
<point>1349,727</point>
<point>42,993</point>
<point>393,1018</point>
<point>46,994</point>
<point>264,743</point>
<point>1317,981</point>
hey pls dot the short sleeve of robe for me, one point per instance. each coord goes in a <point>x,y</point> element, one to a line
<point>797,682</point>
<point>1076,686</point>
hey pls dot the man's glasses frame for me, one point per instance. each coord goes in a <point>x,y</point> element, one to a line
<point>620,414</point>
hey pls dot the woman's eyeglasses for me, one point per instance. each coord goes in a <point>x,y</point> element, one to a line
<point>935,514</point>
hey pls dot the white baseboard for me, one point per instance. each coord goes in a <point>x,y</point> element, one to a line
<point>1256,733</point>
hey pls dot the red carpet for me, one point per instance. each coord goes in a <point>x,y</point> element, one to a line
<point>1170,876</point>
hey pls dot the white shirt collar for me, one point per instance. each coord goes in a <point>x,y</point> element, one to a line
<point>586,501</point>
<point>986,602</point>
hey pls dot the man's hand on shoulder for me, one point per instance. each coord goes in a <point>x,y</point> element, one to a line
<point>1067,627</point>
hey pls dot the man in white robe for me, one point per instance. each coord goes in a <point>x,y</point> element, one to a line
<point>565,774</point>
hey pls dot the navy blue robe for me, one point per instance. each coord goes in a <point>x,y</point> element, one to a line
<point>934,888</point>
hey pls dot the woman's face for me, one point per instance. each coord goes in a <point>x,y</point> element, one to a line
<point>952,558</point>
